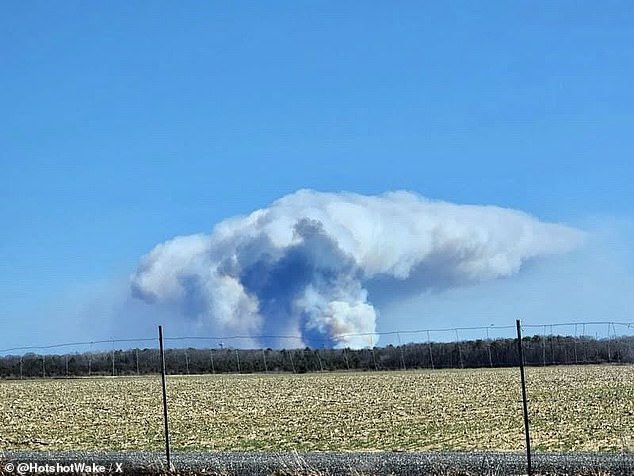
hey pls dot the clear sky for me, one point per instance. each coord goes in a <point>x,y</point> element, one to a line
<point>125,124</point>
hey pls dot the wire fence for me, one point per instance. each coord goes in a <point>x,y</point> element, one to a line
<point>245,397</point>
<point>458,347</point>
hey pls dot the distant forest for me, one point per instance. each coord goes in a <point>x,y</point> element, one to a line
<point>538,350</point>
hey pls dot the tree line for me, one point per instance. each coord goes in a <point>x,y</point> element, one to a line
<point>538,350</point>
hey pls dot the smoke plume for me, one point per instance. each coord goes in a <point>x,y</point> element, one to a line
<point>318,266</point>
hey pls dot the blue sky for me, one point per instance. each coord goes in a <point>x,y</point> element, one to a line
<point>127,123</point>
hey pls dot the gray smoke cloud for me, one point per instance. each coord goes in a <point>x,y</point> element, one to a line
<point>319,265</point>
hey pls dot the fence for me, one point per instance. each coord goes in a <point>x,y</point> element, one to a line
<point>462,347</point>
<point>418,402</point>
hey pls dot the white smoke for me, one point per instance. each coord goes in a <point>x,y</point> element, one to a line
<point>318,265</point>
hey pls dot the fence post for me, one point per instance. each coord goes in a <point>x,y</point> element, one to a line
<point>321,366</point>
<point>489,348</point>
<point>544,348</point>
<point>266,369</point>
<point>167,431</point>
<point>524,400</point>
<point>431,355</point>
<point>90,360</point>
<point>459,349</point>
<point>290,354</point>
<point>400,345</point>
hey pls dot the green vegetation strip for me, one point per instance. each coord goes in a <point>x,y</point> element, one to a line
<point>583,408</point>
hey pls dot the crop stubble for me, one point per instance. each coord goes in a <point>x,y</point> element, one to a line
<point>572,408</point>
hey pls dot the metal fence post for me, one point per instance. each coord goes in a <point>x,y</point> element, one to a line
<point>167,431</point>
<point>524,400</point>
<point>459,349</point>
<point>266,369</point>
<point>400,345</point>
<point>290,354</point>
<point>431,355</point>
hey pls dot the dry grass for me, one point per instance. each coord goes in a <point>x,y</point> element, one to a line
<point>572,408</point>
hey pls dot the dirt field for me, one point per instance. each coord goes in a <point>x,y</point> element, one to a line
<point>589,408</point>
